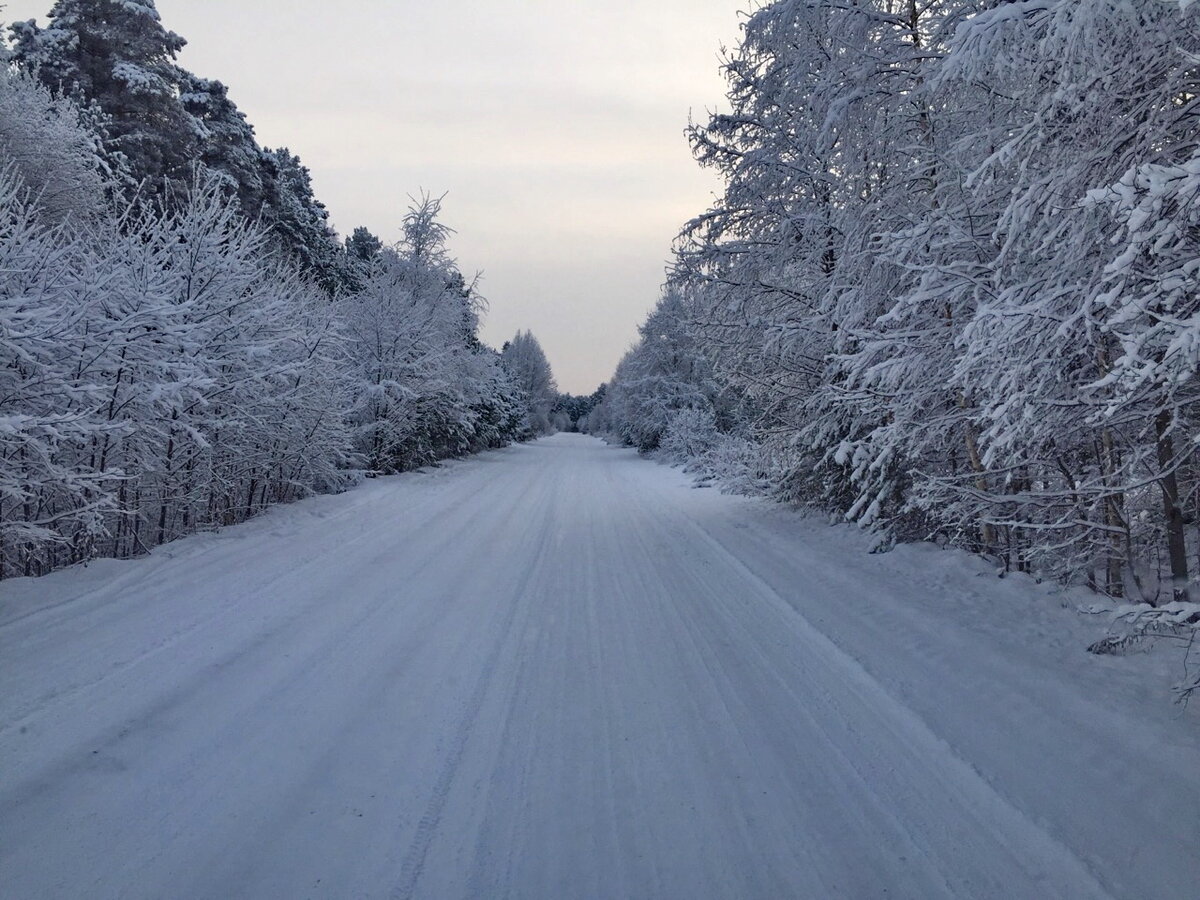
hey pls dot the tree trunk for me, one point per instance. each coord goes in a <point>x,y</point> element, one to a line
<point>1173,514</point>
<point>1114,584</point>
<point>166,481</point>
<point>987,534</point>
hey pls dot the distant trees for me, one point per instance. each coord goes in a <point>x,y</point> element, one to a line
<point>665,373</point>
<point>951,279</point>
<point>527,366</point>
<point>573,410</point>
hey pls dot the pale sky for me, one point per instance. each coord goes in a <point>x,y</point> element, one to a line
<point>555,128</point>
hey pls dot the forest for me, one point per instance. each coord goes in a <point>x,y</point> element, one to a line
<point>951,289</point>
<point>184,339</point>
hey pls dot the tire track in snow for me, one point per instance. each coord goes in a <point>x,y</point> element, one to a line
<point>427,825</point>
<point>243,657</point>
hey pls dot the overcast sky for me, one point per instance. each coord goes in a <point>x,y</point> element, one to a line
<point>556,128</point>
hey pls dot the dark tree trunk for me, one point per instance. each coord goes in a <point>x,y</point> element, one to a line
<point>1176,541</point>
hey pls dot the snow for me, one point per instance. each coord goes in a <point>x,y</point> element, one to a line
<point>558,670</point>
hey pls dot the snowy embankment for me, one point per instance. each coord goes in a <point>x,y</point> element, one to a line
<point>559,670</point>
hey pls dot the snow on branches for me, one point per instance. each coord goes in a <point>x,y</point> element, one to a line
<point>954,278</point>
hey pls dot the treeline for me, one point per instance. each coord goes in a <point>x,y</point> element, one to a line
<point>952,287</point>
<point>183,339</point>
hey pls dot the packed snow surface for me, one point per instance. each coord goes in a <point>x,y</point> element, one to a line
<point>560,671</point>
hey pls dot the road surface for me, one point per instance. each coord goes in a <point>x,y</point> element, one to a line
<point>559,671</point>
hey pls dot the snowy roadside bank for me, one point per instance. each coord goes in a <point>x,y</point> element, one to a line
<point>21,597</point>
<point>1165,662</point>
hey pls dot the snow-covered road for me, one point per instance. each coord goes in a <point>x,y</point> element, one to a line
<point>557,671</point>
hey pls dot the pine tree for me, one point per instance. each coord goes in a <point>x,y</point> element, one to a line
<point>299,222</point>
<point>362,249</point>
<point>363,246</point>
<point>227,145</point>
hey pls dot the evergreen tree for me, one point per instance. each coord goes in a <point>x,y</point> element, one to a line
<point>362,250</point>
<point>363,246</point>
<point>299,222</point>
<point>227,145</point>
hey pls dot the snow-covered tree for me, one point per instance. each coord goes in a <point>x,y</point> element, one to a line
<point>526,363</point>
<point>171,361</point>
<point>665,372</point>
<point>299,222</point>
<point>116,56</point>
<point>575,409</point>
<point>47,413</point>
<point>163,376</point>
<point>51,151</point>
<point>425,388</point>
<point>1085,418</point>
<point>362,249</point>
<point>952,271</point>
<point>226,142</point>
<point>828,149</point>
